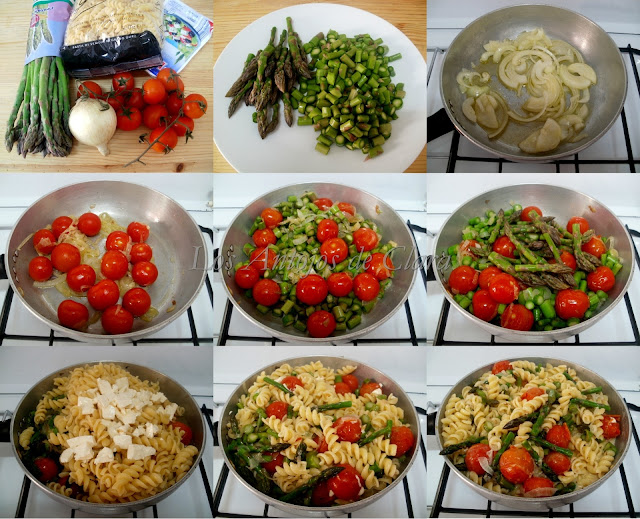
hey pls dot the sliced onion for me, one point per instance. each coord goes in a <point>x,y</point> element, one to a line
<point>541,492</point>
<point>486,465</point>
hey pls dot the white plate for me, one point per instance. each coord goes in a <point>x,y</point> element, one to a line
<point>292,149</point>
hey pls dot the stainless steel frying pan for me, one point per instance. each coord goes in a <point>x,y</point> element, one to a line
<point>174,238</point>
<point>595,45</point>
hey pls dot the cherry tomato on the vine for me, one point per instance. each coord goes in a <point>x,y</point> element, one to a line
<point>171,80</point>
<point>154,92</point>
<point>91,88</point>
<point>174,103</point>
<point>134,99</point>
<point>129,119</point>
<point>155,116</point>
<point>195,106</point>
<point>184,125</point>
<point>167,140</point>
<point>123,81</point>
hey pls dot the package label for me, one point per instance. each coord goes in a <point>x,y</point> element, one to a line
<point>49,19</point>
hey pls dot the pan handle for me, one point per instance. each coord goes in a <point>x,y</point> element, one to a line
<point>438,124</point>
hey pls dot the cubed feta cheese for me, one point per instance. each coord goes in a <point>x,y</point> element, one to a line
<point>122,401</point>
<point>105,455</point>
<point>66,455</point>
<point>103,401</point>
<point>104,386</point>
<point>78,441</point>
<point>127,417</point>
<point>83,453</point>
<point>122,383</point>
<point>109,412</point>
<point>140,430</point>
<point>158,397</point>
<point>151,430</point>
<point>376,391</point>
<point>122,441</point>
<point>83,401</point>
<point>139,452</point>
<point>170,410</point>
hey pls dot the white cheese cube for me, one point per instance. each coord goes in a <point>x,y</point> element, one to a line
<point>122,383</point>
<point>109,412</point>
<point>105,455</point>
<point>79,441</point>
<point>122,441</point>
<point>170,410</point>
<point>104,386</point>
<point>151,430</point>
<point>122,401</point>
<point>83,453</point>
<point>127,417</point>
<point>139,452</point>
<point>66,455</point>
<point>140,430</point>
<point>377,391</point>
<point>158,397</point>
<point>103,401</point>
<point>84,401</point>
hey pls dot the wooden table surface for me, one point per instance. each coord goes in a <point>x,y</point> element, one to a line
<point>195,156</point>
<point>231,16</point>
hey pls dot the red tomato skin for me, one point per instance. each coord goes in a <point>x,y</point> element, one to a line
<point>137,301</point>
<point>81,278</point>
<point>347,208</point>
<point>271,217</point>
<point>117,240</point>
<point>611,426</point>
<point>342,388</point>
<point>463,279</point>
<point>187,435</point>
<point>487,275</point>
<point>533,483</point>
<point>174,103</point>
<point>322,445</point>
<point>320,495</point>
<point>140,252</point>
<point>139,232</point>
<point>154,92</point>
<point>40,268</point>
<point>403,438</point>
<point>184,125</point>
<point>116,320</point>
<point>531,393</point>
<point>135,99</point>
<point>292,382</point>
<point>365,239</point>
<point>559,435</point>
<point>348,428</point>
<point>129,119</point>
<point>44,241</point>
<point>347,484</point>
<point>500,366</point>
<point>601,279</point>
<point>323,203</point>
<point>264,238</point>
<point>89,224</point>
<point>334,251</point>
<point>595,246</point>
<point>516,465</point>
<point>369,387</point>
<point>504,288</point>
<point>122,81</point>
<point>478,450</point>
<point>247,276</point>
<point>340,284</point>
<point>312,289</point>
<point>155,116</point>
<point>195,106</point>
<point>277,460</point>
<point>524,216</point>
<point>504,246</point>
<point>262,259</point>
<point>568,259</point>
<point>60,225</point>
<point>103,294</point>
<point>266,292</point>
<point>321,324</point>
<point>558,462</point>
<point>47,467</point>
<point>277,409</point>
<point>351,381</point>
<point>584,224</point>
<point>517,317</point>
<point>72,314</point>
<point>379,265</point>
<point>571,303</point>
<point>484,307</point>
<point>114,265</point>
<point>366,287</point>
<point>327,229</point>
<point>93,89</point>
<point>65,256</point>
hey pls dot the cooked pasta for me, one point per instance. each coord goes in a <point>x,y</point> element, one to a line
<point>530,430</point>
<point>282,433</point>
<point>108,432</point>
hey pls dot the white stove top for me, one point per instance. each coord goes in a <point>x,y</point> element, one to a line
<point>407,368</point>
<point>405,193</point>
<point>620,18</point>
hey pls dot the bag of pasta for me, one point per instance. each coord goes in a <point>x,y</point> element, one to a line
<point>105,37</point>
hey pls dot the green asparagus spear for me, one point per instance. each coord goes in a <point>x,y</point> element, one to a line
<point>337,405</point>
<point>549,445</point>
<point>462,445</point>
<point>9,135</point>
<point>506,441</point>
<point>385,431</point>
<point>312,483</point>
<point>590,403</point>
<point>294,48</point>
<point>280,386</point>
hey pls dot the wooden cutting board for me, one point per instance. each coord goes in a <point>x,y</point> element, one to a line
<point>195,156</point>
<point>231,16</point>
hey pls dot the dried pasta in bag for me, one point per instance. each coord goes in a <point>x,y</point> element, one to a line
<point>104,37</point>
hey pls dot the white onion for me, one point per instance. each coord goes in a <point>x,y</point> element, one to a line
<point>486,466</point>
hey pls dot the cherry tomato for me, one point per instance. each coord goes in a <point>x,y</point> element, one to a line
<point>321,495</point>
<point>347,483</point>
<point>340,284</point>
<point>539,483</point>
<point>91,88</point>
<point>379,265</point>
<point>611,426</point>
<point>73,315</point>
<point>487,275</point>
<point>348,428</point>
<point>271,217</point>
<point>187,433</point>
<point>116,100</point>
<point>559,435</point>
<point>139,232</point>
<point>144,273</point>
<point>117,320</point>
<point>114,265</point>
<point>321,323</point>
<point>524,216</point>
<point>517,317</point>
<point>166,140</point>
<point>463,279</point>
<point>264,238</point>
<point>531,393</point>
<point>81,278</point>
<point>47,467</point>
<point>500,366</point>
<point>403,438</point>
<point>154,92</point>
<point>558,462</point>
<point>504,246</point>
<point>347,208</point>
<point>312,289</point>
<point>568,259</point>
<point>582,222</point>
<point>327,229</point>
<point>40,268</point>
<point>571,303</point>
<point>323,203</point>
<point>65,256</point>
<point>351,381</point>
<point>122,81</point>
<point>277,460</point>
<point>334,251</point>
<point>89,224</point>
<point>137,301</point>
<point>322,444</point>
<point>266,292</point>
<point>476,451</point>
<point>366,287</point>
<point>171,80</point>
<point>595,246</point>
<point>129,119</point>
<point>195,106</point>
<point>183,125</point>
<point>516,465</point>
<point>140,252</point>
<point>467,246</point>
<point>484,307</point>
<point>365,239</point>
<point>174,103</point>
<point>369,387</point>
<point>134,99</point>
<point>601,279</point>
<point>155,116</point>
<point>277,409</point>
<point>262,259</point>
<point>117,240</point>
<point>504,288</point>
<point>247,276</point>
<point>44,241</point>
<point>60,225</point>
<point>342,388</point>
<point>292,382</point>
<point>103,294</point>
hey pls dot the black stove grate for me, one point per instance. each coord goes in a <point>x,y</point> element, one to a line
<point>413,339</point>
<point>26,484</point>
<point>194,338</point>
<point>455,157</point>
<point>438,508</point>
<point>441,329</point>
<point>224,476</point>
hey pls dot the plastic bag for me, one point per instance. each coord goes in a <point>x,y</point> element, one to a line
<point>105,37</point>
